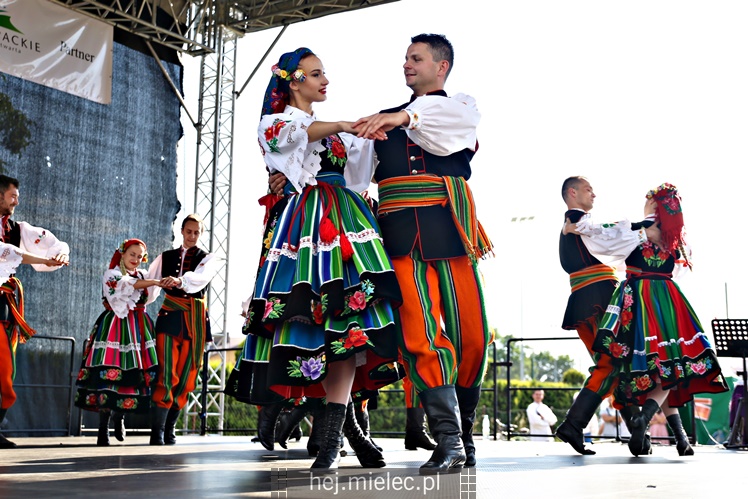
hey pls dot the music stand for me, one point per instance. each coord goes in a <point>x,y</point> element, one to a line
<point>731,340</point>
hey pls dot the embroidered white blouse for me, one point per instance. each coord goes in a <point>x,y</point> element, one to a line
<point>119,291</point>
<point>286,149</point>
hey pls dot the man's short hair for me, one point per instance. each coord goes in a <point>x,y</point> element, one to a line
<point>6,182</point>
<point>193,218</point>
<point>441,49</point>
<point>571,183</point>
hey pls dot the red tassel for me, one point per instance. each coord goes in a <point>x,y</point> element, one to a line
<point>346,250</point>
<point>327,231</point>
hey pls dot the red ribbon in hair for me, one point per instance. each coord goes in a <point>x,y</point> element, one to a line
<point>117,256</point>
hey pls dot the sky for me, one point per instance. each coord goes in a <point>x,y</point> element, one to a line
<point>629,94</point>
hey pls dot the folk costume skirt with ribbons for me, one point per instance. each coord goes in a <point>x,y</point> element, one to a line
<point>119,364</point>
<point>651,329</point>
<point>326,292</point>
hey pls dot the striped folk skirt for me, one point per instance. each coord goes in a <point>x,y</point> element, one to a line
<point>652,330</point>
<point>119,364</point>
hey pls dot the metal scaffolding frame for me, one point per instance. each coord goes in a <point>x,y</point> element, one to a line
<point>210,29</point>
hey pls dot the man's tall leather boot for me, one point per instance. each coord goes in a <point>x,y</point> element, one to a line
<point>415,430</point>
<point>468,400</point>
<point>158,421</point>
<point>571,430</point>
<point>170,426</point>
<point>443,411</point>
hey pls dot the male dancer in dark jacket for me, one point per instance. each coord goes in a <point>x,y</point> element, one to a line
<point>592,285</point>
<point>182,327</point>
<point>428,223</point>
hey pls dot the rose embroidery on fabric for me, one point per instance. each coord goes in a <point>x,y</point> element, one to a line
<point>355,338</point>
<point>111,375</point>
<point>699,367</point>
<point>357,300</point>
<point>617,350</point>
<point>128,403</point>
<point>336,152</point>
<point>642,383</point>
<point>273,132</point>
<point>653,255</point>
<point>273,309</point>
<point>111,284</point>
<point>311,368</point>
<point>83,374</point>
<point>91,399</point>
<point>319,308</point>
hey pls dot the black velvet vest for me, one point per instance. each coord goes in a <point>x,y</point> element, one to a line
<point>171,260</point>
<point>431,228</point>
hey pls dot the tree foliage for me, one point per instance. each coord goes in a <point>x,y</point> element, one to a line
<point>15,128</point>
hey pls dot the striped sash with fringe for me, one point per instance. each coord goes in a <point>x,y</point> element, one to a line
<point>196,313</point>
<point>417,191</point>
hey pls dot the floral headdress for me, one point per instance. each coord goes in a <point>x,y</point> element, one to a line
<point>669,214</point>
<point>117,256</point>
<point>298,75</point>
<point>287,70</point>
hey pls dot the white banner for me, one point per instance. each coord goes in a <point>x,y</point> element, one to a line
<point>56,47</point>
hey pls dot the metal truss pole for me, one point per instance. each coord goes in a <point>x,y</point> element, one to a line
<point>212,202</point>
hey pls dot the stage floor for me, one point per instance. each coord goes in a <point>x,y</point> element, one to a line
<point>217,466</point>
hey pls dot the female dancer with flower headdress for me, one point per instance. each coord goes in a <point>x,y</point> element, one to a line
<point>651,329</point>
<point>325,293</point>
<point>119,361</point>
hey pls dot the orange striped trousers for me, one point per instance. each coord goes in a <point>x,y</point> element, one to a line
<point>444,334</point>
<point>177,373</point>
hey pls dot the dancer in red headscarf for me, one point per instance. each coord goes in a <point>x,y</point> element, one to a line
<point>119,361</point>
<point>651,329</point>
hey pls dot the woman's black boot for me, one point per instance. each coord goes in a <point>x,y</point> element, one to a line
<point>639,425</point>
<point>681,438</point>
<point>366,452</point>
<point>327,457</point>
<point>118,420</point>
<point>266,421</point>
<point>102,438</point>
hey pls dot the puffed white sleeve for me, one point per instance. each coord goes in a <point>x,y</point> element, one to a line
<point>10,258</point>
<point>615,240</point>
<point>195,280</point>
<point>443,125</point>
<point>359,169</point>
<point>41,242</point>
<point>119,292</point>
<point>285,148</point>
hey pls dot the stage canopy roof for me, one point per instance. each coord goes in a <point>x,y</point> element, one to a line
<point>190,26</point>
